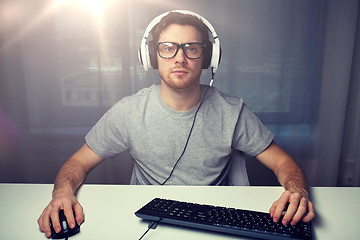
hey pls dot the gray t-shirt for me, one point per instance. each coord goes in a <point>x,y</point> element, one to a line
<point>155,136</point>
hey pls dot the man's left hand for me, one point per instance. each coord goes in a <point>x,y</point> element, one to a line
<point>299,208</point>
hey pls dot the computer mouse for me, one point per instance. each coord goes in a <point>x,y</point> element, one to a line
<point>66,231</point>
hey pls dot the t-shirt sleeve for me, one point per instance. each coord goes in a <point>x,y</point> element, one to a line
<point>251,136</point>
<point>108,137</point>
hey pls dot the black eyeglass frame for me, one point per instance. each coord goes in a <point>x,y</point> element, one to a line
<point>182,46</point>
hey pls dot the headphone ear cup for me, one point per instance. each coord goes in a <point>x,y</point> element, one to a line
<point>207,55</point>
<point>143,55</point>
<point>153,55</point>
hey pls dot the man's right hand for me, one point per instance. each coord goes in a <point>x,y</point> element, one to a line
<point>70,205</point>
<point>70,177</point>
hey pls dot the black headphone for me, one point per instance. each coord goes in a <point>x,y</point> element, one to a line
<point>148,54</point>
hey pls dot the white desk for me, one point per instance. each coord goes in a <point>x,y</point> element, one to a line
<point>109,210</point>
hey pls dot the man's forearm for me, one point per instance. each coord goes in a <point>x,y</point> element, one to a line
<point>292,178</point>
<point>70,177</point>
<point>287,171</point>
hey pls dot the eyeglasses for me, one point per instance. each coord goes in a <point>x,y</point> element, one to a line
<point>192,50</point>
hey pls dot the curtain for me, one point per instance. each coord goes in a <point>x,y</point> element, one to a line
<point>64,63</point>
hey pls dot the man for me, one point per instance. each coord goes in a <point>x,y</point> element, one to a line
<point>179,132</point>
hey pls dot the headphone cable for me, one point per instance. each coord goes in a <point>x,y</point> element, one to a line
<point>191,129</point>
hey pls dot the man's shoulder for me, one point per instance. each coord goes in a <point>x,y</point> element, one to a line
<point>136,100</point>
<point>153,89</point>
<point>140,95</point>
<point>223,98</point>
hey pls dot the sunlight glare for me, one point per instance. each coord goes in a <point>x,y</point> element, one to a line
<point>96,7</point>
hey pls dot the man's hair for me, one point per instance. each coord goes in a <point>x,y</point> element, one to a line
<point>181,19</point>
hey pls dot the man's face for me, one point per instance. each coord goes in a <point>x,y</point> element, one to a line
<point>180,72</point>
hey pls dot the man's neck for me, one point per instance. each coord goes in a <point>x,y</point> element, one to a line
<point>181,100</point>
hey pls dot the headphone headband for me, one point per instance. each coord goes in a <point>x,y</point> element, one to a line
<point>144,51</point>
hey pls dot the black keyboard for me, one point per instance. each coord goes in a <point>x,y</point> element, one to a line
<point>221,219</point>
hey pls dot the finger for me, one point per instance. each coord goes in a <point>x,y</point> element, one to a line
<point>294,202</point>
<point>55,220</point>
<point>272,208</point>
<point>69,214</point>
<point>290,211</point>
<point>79,214</point>
<point>40,221</point>
<point>301,211</point>
<point>282,202</point>
<point>310,214</point>
<point>44,222</point>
